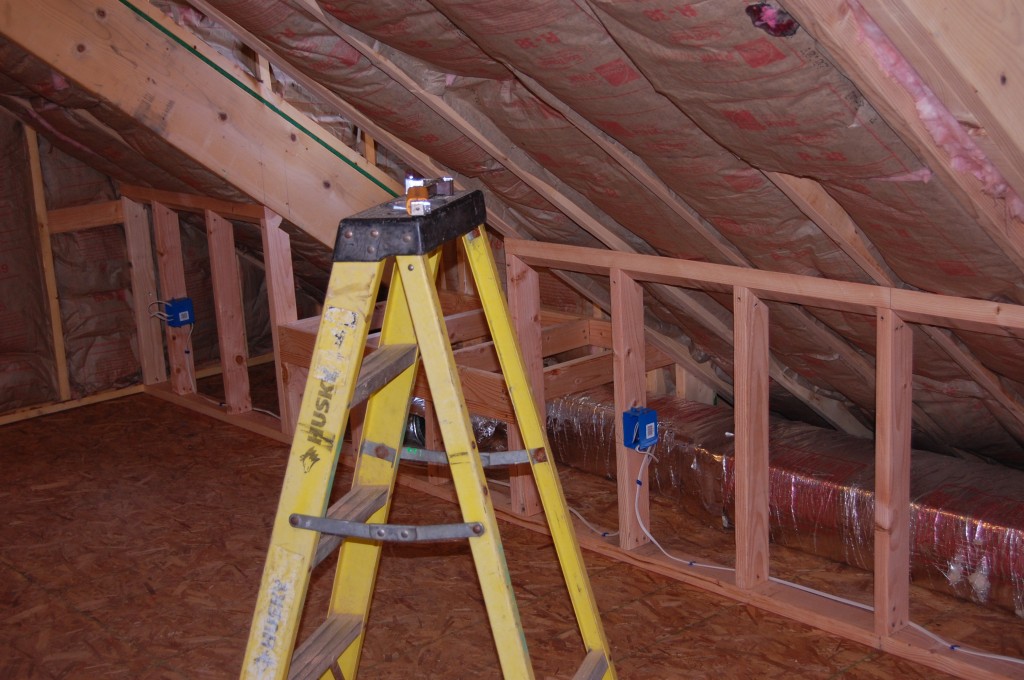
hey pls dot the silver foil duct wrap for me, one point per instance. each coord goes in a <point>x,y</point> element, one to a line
<point>967,518</point>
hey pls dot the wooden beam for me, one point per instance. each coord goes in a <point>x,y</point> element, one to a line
<point>524,310</point>
<point>60,357</point>
<point>751,430</point>
<point>171,266</point>
<point>834,413</point>
<point>227,299</point>
<point>144,295</point>
<point>66,405</point>
<point>277,266</point>
<point>630,391</point>
<point>805,290</point>
<point>832,23</point>
<point>948,311</point>
<point>175,200</point>
<point>814,202</point>
<point>820,207</point>
<point>139,61</point>
<point>253,421</point>
<point>577,375</point>
<point>640,171</point>
<point>894,388</point>
<point>415,158</point>
<point>491,139</point>
<point>971,56</point>
<point>76,218</point>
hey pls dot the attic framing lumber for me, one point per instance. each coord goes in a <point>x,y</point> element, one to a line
<point>833,22</point>
<point>171,267</point>
<point>630,389</point>
<point>144,294</point>
<point>277,267</point>
<point>831,218</point>
<point>142,63</point>
<point>523,293</point>
<point>227,296</point>
<point>751,431</point>
<point>886,625</point>
<point>570,202</point>
<point>893,389</point>
<point>42,217</point>
<point>970,55</point>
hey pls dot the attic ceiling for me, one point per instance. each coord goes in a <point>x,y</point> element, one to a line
<point>859,141</point>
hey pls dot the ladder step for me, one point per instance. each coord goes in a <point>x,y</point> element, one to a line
<point>593,667</point>
<point>321,650</point>
<point>381,367</point>
<point>355,506</point>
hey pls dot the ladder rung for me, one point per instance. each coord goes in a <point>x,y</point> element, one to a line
<point>321,650</point>
<point>593,667</point>
<point>355,506</point>
<point>487,458</point>
<point>381,367</point>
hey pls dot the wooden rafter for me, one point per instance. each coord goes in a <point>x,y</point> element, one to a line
<point>140,62</point>
<point>833,24</point>
<point>570,202</point>
<point>831,218</point>
<point>971,56</point>
<point>498,215</point>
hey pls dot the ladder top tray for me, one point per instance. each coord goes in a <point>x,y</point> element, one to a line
<point>388,229</point>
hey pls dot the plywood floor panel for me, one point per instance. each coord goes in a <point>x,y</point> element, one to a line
<point>135,533</point>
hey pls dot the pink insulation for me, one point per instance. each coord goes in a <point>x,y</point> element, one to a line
<point>964,154</point>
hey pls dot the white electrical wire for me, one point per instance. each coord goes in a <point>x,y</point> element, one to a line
<point>835,598</point>
<point>596,530</point>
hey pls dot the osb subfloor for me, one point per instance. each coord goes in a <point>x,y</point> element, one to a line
<point>134,537</point>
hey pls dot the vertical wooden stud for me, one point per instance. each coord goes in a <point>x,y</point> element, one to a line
<point>893,404</point>
<point>630,390</point>
<point>751,413</point>
<point>171,268</point>
<point>144,297</point>
<point>524,310</point>
<point>46,255</point>
<point>227,297</point>
<point>369,149</point>
<point>277,265</point>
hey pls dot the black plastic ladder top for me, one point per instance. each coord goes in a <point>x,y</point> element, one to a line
<point>387,229</point>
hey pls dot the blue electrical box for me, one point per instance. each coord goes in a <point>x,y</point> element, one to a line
<point>640,427</point>
<point>179,312</point>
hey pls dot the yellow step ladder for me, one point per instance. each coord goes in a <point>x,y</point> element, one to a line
<point>306,530</point>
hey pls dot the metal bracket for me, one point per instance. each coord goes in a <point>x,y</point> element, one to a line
<point>377,450</point>
<point>400,533</point>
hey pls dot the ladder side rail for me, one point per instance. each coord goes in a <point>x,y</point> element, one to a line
<point>534,436</point>
<point>466,468</point>
<point>376,464</point>
<point>311,465</point>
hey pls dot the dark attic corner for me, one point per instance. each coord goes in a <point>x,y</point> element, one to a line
<point>758,263</point>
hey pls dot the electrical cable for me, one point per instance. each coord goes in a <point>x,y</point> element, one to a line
<point>591,526</point>
<point>835,598</point>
